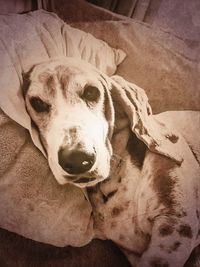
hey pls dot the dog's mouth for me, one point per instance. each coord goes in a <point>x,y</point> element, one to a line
<point>85,181</point>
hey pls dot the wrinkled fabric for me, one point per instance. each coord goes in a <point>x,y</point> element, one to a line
<point>29,39</point>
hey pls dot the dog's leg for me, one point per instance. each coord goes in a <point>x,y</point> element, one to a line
<point>167,247</point>
<point>169,195</point>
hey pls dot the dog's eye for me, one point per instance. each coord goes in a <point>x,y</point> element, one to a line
<point>39,105</point>
<point>91,93</point>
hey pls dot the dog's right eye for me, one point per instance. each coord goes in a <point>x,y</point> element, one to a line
<point>39,105</point>
<point>91,93</point>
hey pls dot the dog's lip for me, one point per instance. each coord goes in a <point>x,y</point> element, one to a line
<point>81,179</point>
<point>84,181</point>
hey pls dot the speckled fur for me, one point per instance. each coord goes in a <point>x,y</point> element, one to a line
<point>153,213</point>
<point>149,205</point>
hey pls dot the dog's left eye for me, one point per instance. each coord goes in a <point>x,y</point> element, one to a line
<point>39,105</point>
<point>91,93</point>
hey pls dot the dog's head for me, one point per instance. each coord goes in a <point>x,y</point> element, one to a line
<point>69,103</point>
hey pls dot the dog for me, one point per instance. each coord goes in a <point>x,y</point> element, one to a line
<point>142,179</point>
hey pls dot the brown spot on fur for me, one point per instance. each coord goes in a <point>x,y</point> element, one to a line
<point>136,231</point>
<point>116,211</point>
<point>150,220</point>
<point>173,138</point>
<point>51,85</point>
<point>31,207</point>
<point>64,74</point>
<point>197,213</point>
<point>175,246</point>
<point>166,229</point>
<point>158,262</point>
<point>48,81</point>
<point>185,231</point>
<point>126,204</point>
<point>172,248</point>
<point>121,237</point>
<point>153,146</point>
<point>63,79</point>
<point>198,233</point>
<point>113,225</point>
<point>43,77</point>
<point>163,183</point>
<point>181,214</point>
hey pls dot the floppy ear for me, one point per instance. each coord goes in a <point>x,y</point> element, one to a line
<point>138,115</point>
<point>31,126</point>
<point>108,105</point>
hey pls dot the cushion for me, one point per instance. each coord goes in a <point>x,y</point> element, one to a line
<point>34,37</point>
<point>165,66</point>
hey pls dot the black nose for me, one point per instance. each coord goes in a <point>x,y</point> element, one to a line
<point>75,161</point>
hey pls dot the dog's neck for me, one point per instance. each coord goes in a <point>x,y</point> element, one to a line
<point>131,153</point>
<point>126,143</point>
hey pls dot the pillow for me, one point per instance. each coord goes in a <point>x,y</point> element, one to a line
<point>32,204</point>
<point>31,38</point>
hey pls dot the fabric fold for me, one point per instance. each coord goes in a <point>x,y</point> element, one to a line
<point>29,39</point>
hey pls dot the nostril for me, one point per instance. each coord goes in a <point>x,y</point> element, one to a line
<point>75,161</point>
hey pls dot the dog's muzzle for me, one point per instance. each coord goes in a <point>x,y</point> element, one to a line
<point>75,162</point>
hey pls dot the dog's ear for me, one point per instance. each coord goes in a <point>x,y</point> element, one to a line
<point>108,105</point>
<point>134,103</point>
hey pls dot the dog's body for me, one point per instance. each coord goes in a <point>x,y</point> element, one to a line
<point>152,210</point>
<point>150,204</point>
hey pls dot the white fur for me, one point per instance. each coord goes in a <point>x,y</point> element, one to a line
<point>69,111</point>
